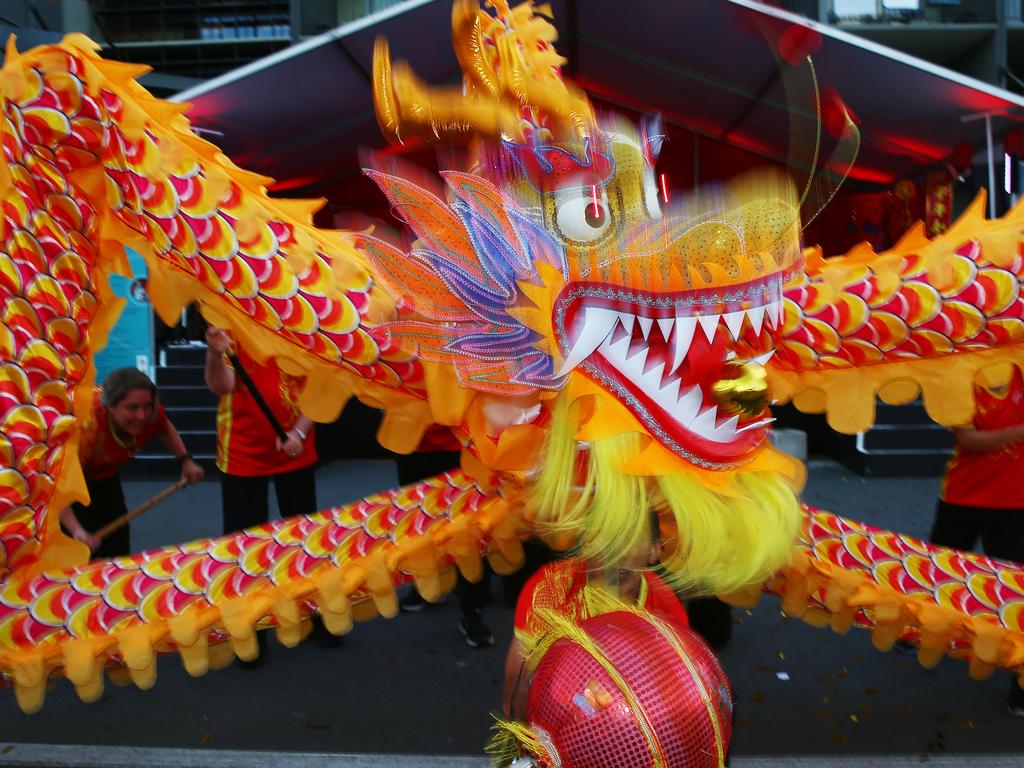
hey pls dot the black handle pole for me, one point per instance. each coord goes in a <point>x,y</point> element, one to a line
<point>251,386</point>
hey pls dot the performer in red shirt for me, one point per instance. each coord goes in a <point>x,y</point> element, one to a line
<point>125,415</point>
<point>981,493</point>
<point>249,452</point>
<point>560,586</point>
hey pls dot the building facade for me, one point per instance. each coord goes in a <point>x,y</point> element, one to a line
<point>184,41</point>
<point>983,39</point>
<point>188,41</point>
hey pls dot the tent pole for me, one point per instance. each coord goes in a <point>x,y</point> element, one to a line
<point>987,116</point>
<point>991,168</point>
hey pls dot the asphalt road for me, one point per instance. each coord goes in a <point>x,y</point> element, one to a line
<point>411,686</point>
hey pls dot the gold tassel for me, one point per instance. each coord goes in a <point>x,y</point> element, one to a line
<point>510,739</point>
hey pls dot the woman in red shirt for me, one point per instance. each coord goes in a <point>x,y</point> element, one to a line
<point>981,493</point>
<point>125,415</point>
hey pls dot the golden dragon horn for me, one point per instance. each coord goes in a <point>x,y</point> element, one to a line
<point>511,77</point>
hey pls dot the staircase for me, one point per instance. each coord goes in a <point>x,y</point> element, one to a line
<point>191,408</point>
<point>903,443</point>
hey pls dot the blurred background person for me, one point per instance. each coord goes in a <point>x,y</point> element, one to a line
<point>981,495</point>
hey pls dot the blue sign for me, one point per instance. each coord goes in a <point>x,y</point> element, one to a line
<point>130,344</point>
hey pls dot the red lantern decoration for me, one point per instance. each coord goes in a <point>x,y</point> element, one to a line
<point>963,153</point>
<point>629,691</point>
<point>798,42</point>
<point>1013,142</point>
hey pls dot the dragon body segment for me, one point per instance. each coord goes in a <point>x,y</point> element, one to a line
<point>919,320</point>
<point>206,599</point>
<point>591,351</point>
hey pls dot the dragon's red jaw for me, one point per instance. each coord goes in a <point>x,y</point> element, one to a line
<point>660,355</point>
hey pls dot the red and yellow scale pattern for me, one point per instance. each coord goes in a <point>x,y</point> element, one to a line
<point>49,300</point>
<point>92,162</point>
<point>76,185</point>
<point>892,322</point>
<point>979,307</point>
<point>343,562</point>
<point>944,601</point>
<point>140,164</point>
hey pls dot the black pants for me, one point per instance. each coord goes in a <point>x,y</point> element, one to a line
<point>414,467</point>
<point>106,504</point>
<point>711,619</point>
<point>1001,530</point>
<point>1002,536</point>
<point>245,502</point>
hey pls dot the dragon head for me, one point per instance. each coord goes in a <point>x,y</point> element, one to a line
<point>670,311</point>
<point>553,277</point>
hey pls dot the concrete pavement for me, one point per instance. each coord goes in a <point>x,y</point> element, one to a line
<point>92,757</point>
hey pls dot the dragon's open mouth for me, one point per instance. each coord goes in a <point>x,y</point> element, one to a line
<point>661,353</point>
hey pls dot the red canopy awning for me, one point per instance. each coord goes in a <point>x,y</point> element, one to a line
<point>708,66</point>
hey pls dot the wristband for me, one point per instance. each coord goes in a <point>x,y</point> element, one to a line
<point>183,458</point>
<point>302,435</point>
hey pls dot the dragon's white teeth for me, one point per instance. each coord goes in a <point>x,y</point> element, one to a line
<point>734,321</point>
<point>600,329</point>
<point>634,351</point>
<point>727,428</point>
<point>704,424</point>
<point>668,396</point>
<point>710,324</point>
<point>687,408</point>
<point>755,425</point>
<point>630,361</point>
<point>616,350</point>
<point>688,405</point>
<point>597,324</point>
<point>681,341</point>
<point>633,365</point>
<point>651,381</point>
<point>756,316</point>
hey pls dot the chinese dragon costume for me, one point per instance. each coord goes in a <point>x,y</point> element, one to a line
<point>596,356</point>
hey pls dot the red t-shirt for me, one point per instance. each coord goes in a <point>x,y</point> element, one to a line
<point>990,479</point>
<point>560,584</point>
<point>246,443</point>
<point>102,450</point>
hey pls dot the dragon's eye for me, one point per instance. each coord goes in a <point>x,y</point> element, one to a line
<point>582,214</point>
